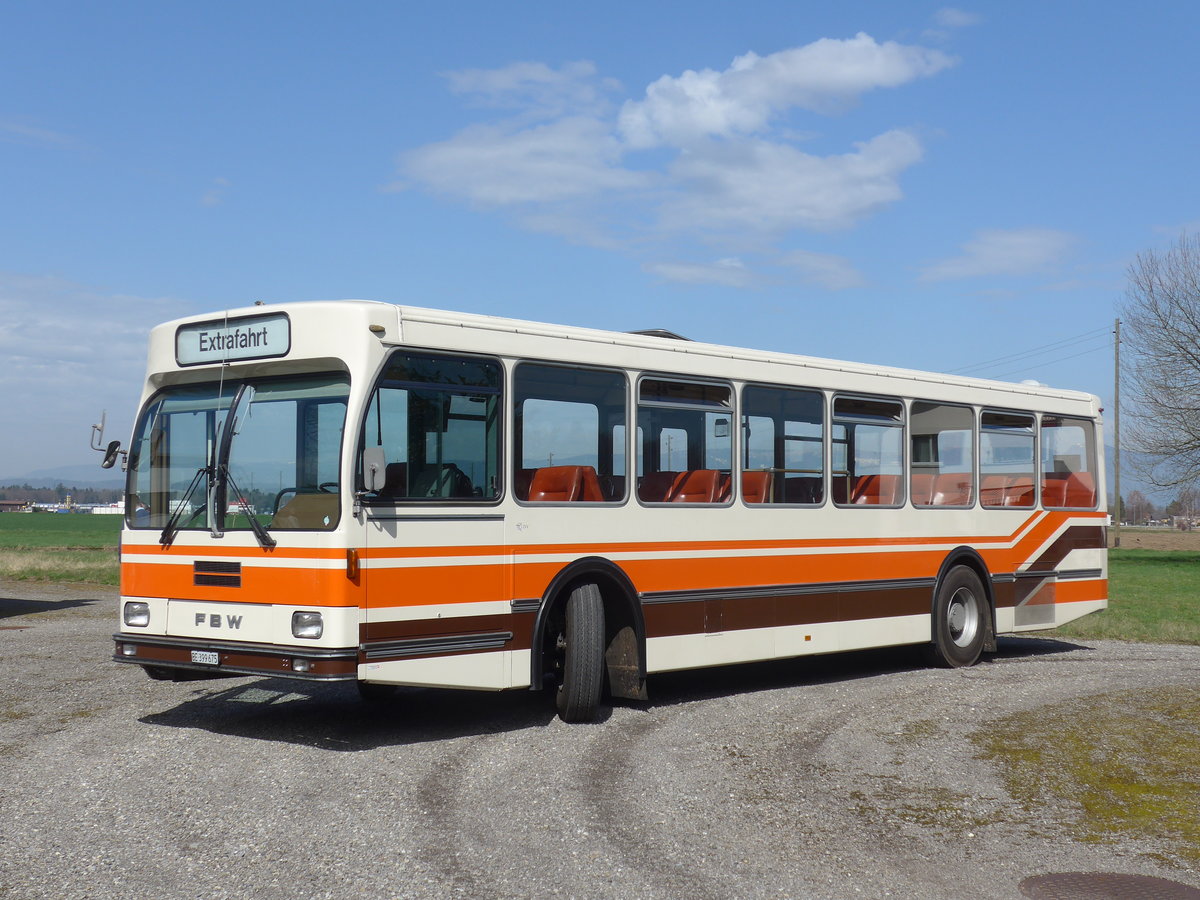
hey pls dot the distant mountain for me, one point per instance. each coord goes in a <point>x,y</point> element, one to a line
<point>72,476</point>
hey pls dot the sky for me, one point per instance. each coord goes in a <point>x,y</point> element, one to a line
<point>958,189</point>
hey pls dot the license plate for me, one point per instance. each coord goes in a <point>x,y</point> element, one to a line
<point>206,657</point>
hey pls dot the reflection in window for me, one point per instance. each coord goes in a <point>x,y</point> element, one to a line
<point>570,434</point>
<point>1068,466</point>
<point>943,455</point>
<point>868,451</point>
<point>437,419</point>
<point>685,442</point>
<point>174,443</point>
<point>1007,465</point>
<point>782,450</point>
<point>286,454</point>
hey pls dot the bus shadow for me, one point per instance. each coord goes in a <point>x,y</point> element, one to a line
<point>12,607</point>
<point>676,688</point>
<point>333,717</point>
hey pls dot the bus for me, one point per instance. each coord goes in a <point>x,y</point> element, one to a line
<point>396,496</point>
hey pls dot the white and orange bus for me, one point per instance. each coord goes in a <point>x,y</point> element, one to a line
<point>399,496</point>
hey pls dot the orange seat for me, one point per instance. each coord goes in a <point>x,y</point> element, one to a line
<point>655,487</point>
<point>1080,490</point>
<point>876,490</point>
<point>952,489</point>
<point>565,484</point>
<point>696,486</point>
<point>1054,490</point>
<point>922,488</point>
<point>1069,490</point>
<point>1020,491</point>
<point>756,486</point>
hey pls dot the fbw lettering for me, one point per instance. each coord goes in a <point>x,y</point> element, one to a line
<point>212,620</point>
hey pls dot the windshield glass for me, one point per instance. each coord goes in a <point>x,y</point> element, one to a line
<point>283,457</point>
<point>175,440</point>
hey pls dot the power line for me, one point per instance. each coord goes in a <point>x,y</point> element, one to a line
<point>1059,359</point>
<point>1061,344</point>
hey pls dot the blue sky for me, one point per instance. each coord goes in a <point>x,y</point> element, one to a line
<point>909,184</point>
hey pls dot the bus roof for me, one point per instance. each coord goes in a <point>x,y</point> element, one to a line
<point>409,319</point>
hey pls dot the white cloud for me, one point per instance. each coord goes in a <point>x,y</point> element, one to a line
<point>20,133</point>
<point>1021,251</point>
<point>535,86</point>
<point>775,187</point>
<point>822,76</point>
<point>705,156</point>
<point>730,272</point>
<point>490,165</point>
<point>950,17</point>
<point>215,195</point>
<point>833,272</point>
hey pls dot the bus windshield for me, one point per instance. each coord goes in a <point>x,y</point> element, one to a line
<point>279,465</point>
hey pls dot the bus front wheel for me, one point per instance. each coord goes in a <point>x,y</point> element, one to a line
<point>960,619</point>
<point>579,652</point>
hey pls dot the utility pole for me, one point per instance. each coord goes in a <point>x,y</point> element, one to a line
<point>1117,432</point>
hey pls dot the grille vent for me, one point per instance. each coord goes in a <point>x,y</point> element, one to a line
<point>216,573</point>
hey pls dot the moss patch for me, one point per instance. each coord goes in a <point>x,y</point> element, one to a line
<point>1127,762</point>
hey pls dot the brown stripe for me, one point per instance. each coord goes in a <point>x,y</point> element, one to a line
<point>1078,537</point>
<point>734,613</point>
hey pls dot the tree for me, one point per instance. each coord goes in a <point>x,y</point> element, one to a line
<point>1138,510</point>
<point>1162,327</point>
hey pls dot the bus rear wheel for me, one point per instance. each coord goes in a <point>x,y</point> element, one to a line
<point>960,620</point>
<point>579,654</point>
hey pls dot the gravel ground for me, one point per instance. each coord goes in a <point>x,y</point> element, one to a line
<point>848,776</point>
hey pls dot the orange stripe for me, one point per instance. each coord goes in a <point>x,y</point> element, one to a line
<point>301,586</point>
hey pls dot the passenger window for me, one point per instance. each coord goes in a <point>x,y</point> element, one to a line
<point>1007,463</point>
<point>783,451</point>
<point>570,434</point>
<point>1068,463</point>
<point>868,452</point>
<point>943,455</point>
<point>438,422</point>
<point>686,442</point>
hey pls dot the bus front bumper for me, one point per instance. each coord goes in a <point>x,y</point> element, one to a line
<point>184,658</point>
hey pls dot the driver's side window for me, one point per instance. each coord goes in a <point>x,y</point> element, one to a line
<point>437,421</point>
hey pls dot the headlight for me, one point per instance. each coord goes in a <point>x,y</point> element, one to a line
<point>136,613</point>
<point>307,625</point>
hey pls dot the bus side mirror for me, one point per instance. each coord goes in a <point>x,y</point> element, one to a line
<point>110,454</point>
<point>374,469</point>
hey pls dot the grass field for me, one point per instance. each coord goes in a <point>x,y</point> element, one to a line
<point>1154,595</point>
<point>59,547</point>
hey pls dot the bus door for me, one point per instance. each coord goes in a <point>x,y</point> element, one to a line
<point>433,563</point>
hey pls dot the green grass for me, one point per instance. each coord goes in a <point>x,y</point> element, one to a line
<point>30,531</point>
<point>59,547</point>
<point>1154,596</point>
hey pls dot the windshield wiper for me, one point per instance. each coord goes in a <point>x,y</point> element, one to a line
<point>172,526</point>
<point>248,511</point>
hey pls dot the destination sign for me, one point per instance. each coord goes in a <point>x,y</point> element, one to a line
<point>226,340</point>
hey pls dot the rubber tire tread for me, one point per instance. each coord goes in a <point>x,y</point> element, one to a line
<point>943,652</point>
<point>578,697</point>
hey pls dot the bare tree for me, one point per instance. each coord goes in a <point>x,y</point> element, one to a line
<point>1162,317</point>
<point>1137,508</point>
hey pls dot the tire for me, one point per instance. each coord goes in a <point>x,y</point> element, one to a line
<point>960,620</point>
<point>581,650</point>
<point>158,673</point>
